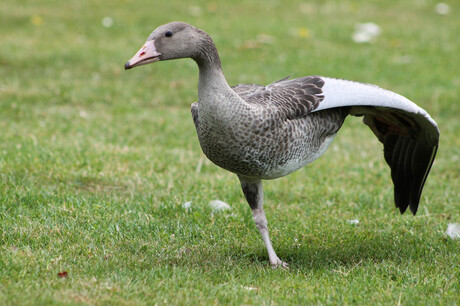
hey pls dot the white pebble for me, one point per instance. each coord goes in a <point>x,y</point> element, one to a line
<point>442,8</point>
<point>354,221</point>
<point>107,22</point>
<point>217,205</point>
<point>361,37</point>
<point>187,205</point>
<point>369,27</point>
<point>365,32</point>
<point>83,114</point>
<point>453,230</point>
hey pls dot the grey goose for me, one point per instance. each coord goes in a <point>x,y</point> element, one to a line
<point>266,132</point>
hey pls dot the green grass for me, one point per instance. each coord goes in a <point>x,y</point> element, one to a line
<point>95,162</point>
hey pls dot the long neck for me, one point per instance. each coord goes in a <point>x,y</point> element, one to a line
<point>212,81</point>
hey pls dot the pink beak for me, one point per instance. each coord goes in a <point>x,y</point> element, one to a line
<point>146,55</point>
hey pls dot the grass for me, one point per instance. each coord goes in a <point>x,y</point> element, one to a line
<point>95,162</point>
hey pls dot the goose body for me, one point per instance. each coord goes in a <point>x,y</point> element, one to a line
<point>258,141</point>
<point>266,132</point>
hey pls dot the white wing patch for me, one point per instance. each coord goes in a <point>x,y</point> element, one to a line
<point>340,93</point>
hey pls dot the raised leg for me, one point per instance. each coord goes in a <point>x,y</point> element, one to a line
<point>254,195</point>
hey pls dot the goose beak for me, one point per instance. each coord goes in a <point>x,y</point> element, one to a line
<point>146,55</point>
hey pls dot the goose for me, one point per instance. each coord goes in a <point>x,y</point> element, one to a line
<point>267,132</point>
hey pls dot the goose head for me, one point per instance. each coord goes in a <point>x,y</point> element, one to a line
<point>173,41</point>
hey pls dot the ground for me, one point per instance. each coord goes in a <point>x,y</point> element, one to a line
<point>96,162</point>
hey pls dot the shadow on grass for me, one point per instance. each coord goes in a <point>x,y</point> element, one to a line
<point>316,255</point>
<point>377,248</point>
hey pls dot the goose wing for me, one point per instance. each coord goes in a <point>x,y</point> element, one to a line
<point>294,98</point>
<point>409,135</point>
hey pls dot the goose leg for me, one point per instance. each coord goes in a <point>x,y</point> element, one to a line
<point>254,195</point>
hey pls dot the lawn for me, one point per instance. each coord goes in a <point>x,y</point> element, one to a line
<point>96,163</point>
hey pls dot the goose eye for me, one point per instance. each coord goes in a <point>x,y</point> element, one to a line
<point>168,34</point>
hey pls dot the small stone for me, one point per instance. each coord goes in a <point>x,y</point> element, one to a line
<point>442,8</point>
<point>107,22</point>
<point>453,230</point>
<point>187,205</point>
<point>354,221</point>
<point>217,205</point>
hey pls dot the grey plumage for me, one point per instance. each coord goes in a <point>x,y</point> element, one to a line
<point>265,132</point>
<point>274,131</point>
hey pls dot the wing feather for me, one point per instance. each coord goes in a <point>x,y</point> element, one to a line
<point>294,98</point>
<point>409,135</point>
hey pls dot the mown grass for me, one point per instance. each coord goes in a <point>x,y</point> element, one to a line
<point>95,162</point>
